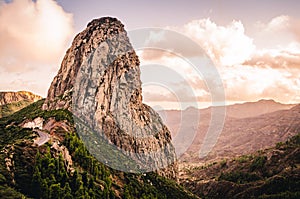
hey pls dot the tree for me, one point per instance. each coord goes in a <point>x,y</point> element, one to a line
<point>67,191</point>
<point>36,183</point>
<point>44,188</point>
<point>80,192</point>
<point>55,191</point>
<point>85,179</point>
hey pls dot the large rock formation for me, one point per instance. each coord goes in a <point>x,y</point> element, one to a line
<point>99,81</point>
<point>11,97</point>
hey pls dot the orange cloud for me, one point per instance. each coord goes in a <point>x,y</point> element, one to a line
<point>33,32</point>
<point>34,38</point>
<point>279,60</point>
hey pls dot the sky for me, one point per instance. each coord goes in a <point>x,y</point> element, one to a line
<point>254,46</point>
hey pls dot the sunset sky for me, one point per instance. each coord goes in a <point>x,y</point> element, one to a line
<point>254,45</point>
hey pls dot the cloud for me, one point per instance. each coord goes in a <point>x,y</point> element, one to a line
<point>278,59</point>
<point>179,95</point>
<point>167,42</point>
<point>33,35</point>
<point>278,44</point>
<point>279,32</point>
<point>265,64</point>
<point>226,45</point>
<point>34,30</point>
<point>250,83</point>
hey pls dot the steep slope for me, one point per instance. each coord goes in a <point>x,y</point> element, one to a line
<point>270,173</point>
<point>11,102</point>
<point>99,82</point>
<point>63,167</point>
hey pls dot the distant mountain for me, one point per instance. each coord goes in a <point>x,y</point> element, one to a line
<point>269,173</point>
<point>253,109</point>
<point>247,135</point>
<point>11,102</point>
<point>248,127</point>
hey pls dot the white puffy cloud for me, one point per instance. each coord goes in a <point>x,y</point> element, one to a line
<point>250,83</point>
<point>279,32</point>
<point>226,45</point>
<point>33,37</point>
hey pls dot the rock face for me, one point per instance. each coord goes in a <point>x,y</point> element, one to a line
<point>36,123</point>
<point>11,97</point>
<point>99,81</point>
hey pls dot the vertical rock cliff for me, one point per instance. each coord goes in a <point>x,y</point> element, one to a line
<point>99,82</point>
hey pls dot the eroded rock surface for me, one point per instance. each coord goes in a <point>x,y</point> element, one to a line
<point>11,97</point>
<point>99,81</point>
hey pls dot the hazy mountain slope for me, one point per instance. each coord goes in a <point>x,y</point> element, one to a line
<point>239,135</point>
<point>243,136</point>
<point>253,109</point>
<point>271,173</point>
<point>11,102</point>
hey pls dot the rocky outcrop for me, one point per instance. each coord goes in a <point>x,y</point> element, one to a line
<point>11,97</point>
<point>99,81</point>
<point>84,44</point>
<point>36,123</point>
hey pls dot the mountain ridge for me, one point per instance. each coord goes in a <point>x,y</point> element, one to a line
<point>11,102</point>
<point>7,97</point>
<point>240,135</point>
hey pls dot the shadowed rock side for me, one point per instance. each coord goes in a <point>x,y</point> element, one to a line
<point>99,81</point>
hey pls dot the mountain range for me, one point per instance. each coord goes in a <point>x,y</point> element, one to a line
<point>248,127</point>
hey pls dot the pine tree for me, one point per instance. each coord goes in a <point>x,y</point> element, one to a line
<point>67,191</point>
<point>55,191</point>
<point>36,183</point>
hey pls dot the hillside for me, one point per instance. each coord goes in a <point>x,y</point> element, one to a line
<point>269,173</point>
<point>11,102</point>
<point>63,167</point>
<point>254,109</point>
<point>240,135</point>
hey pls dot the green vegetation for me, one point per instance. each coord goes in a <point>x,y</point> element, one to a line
<point>10,193</point>
<point>270,173</point>
<point>27,171</point>
<point>33,111</point>
<point>11,108</point>
<point>10,131</point>
<point>258,163</point>
<point>239,177</point>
